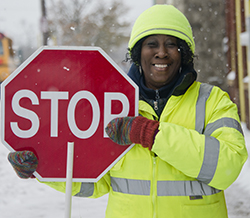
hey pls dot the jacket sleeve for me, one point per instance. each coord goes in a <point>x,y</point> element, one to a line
<point>216,155</point>
<point>84,189</point>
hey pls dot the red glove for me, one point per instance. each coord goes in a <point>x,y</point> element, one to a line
<point>128,130</point>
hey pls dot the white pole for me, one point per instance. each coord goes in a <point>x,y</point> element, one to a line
<point>68,195</point>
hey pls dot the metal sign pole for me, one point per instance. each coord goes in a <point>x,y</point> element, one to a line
<point>68,194</point>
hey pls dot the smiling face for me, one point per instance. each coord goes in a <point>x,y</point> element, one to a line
<point>160,60</point>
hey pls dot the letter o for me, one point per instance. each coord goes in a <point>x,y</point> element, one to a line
<point>71,114</point>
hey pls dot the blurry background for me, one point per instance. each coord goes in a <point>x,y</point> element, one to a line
<point>33,23</point>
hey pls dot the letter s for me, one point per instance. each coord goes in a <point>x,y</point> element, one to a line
<point>25,113</point>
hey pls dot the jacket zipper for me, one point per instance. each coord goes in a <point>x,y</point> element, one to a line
<point>156,102</point>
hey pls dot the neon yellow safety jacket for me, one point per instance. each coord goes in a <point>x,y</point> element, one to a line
<point>198,152</point>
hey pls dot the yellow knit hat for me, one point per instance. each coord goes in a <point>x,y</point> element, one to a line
<point>162,19</point>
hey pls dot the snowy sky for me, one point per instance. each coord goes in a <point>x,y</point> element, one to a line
<point>19,17</point>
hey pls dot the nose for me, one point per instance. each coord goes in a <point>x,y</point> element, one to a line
<point>161,52</point>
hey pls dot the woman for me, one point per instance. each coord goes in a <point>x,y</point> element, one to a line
<point>189,145</point>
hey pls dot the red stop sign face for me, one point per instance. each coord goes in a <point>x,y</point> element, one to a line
<point>67,94</point>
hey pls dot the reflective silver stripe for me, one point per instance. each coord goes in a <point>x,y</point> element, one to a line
<point>204,94</point>
<point>210,160</point>
<point>169,29</point>
<point>212,145</point>
<point>164,188</point>
<point>87,189</point>
<point>223,122</point>
<point>184,188</point>
<point>130,186</point>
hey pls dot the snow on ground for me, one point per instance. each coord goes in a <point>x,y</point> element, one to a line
<point>28,198</point>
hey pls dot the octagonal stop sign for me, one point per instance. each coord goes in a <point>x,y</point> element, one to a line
<point>67,94</point>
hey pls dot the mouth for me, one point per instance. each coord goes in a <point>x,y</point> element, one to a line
<point>161,66</point>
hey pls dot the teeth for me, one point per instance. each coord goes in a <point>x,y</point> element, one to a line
<point>161,65</point>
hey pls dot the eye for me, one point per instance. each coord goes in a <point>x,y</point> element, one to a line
<point>152,44</point>
<point>171,45</point>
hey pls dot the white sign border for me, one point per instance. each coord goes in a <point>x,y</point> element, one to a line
<point>25,63</point>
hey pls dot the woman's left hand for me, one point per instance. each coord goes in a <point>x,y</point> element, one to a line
<point>128,130</point>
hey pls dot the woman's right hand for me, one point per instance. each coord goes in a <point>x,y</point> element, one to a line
<point>24,163</point>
